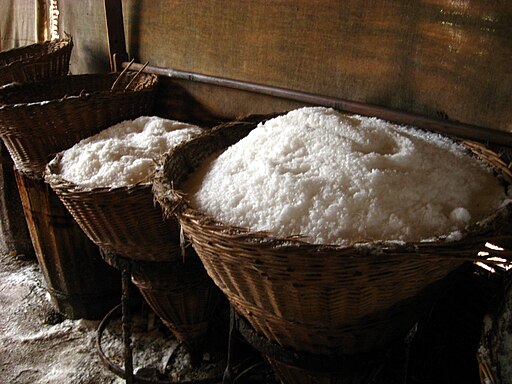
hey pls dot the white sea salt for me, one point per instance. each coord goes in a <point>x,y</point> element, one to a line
<point>123,154</point>
<point>339,179</point>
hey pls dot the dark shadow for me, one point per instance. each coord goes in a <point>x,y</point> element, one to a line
<point>175,102</point>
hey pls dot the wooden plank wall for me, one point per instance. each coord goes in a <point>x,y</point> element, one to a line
<point>439,58</point>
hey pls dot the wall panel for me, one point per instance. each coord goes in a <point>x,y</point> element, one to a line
<point>440,58</point>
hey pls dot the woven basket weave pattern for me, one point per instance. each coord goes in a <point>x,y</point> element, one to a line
<point>313,298</point>
<point>313,301</point>
<point>182,294</point>
<point>123,220</point>
<point>38,120</point>
<point>35,62</point>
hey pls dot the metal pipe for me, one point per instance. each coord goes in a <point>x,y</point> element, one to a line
<point>126,274</point>
<point>451,128</point>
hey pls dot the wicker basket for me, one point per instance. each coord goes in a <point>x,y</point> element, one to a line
<point>35,62</point>
<point>122,220</point>
<point>125,221</point>
<point>182,294</point>
<point>38,120</point>
<point>311,298</point>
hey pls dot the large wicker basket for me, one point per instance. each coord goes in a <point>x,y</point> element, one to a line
<point>125,221</point>
<point>312,298</point>
<point>35,62</point>
<point>38,120</point>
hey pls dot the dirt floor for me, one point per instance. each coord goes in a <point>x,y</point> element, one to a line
<point>37,344</point>
<point>40,346</point>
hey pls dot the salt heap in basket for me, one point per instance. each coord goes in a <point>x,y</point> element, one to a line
<point>105,181</point>
<point>124,154</point>
<point>335,179</point>
<point>328,231</point>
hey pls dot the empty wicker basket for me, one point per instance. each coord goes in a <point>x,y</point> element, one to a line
<point>324,300</point>
<point>35,62</point>
<point>38,120</point>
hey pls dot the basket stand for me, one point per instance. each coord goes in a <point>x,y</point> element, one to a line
<point>287,363</point>
<point>126,267</point>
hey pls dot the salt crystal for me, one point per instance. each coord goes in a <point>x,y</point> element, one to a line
<point>123,154</point>
<point>340,179</point>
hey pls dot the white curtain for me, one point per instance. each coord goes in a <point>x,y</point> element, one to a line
<point>23,22</point>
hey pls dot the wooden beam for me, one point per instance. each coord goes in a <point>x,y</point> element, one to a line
<point>115,31</point>
<point>446,127</point>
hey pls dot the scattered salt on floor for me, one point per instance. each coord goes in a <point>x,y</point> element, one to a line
<point>340,179</point>
<point>33,351</point>
<point>123,154</point>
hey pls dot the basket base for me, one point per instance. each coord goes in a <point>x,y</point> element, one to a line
<point>180,293</point>
<point>348,366</point>
<point>293,367</point>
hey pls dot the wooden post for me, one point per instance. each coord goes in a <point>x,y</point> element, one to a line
<point>14,235</point>
<point>41,21</point>
<point>80,284</point>
<point>115,30</point>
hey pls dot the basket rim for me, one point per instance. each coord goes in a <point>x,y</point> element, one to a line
<point>174,202</point>
<point>65,41</point>
<point>38,47</point>
<point>475,233</point>
<point>22,87</point>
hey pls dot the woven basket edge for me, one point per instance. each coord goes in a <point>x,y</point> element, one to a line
<point>174,202</point>
<point>150,87</point>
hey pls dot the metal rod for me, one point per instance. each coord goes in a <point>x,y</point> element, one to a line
<point>228,372</point>
<point>126,320</point>
<point>113,367</point>
<point>462,130</point>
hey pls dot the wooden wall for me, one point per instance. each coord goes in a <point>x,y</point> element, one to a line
<point>439,58</point>
<point>85,22</point>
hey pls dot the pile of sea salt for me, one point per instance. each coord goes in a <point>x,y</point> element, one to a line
<point>124,154</point>
<point>339,179</point>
